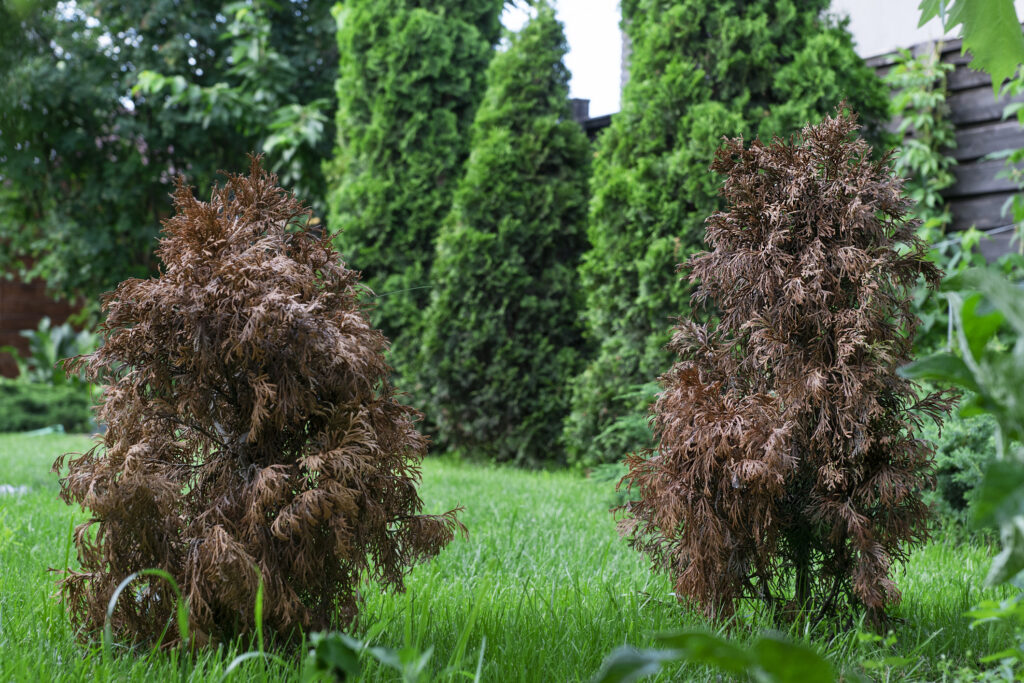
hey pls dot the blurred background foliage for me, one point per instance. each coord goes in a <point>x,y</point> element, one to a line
<point>103,103</point>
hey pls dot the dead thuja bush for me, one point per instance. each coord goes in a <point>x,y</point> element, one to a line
<point>786,468</point>
<point>253,434</point>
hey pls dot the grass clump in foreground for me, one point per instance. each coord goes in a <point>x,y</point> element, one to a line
<point>543,578</point>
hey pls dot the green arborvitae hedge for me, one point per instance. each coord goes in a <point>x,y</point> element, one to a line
<point>27,405</point>
<point>411,76</point>
<point>698,71</point>
<point>502,335</point>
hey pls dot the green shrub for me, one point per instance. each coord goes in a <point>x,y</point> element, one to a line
<point>502,333</point>
<point>962,447</point>
<point>47,345</point>
<point>27,405</point>
<point>698,71</point>
<point>410,78</point>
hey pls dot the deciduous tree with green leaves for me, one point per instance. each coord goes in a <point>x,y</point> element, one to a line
<point>410,79</point>
<point>87,158</point>
<point>698,71</point>
<point>502,335</point>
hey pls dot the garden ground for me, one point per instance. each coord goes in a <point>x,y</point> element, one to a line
<point>542,589</point>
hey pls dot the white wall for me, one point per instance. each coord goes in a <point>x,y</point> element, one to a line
<point>883,26</point>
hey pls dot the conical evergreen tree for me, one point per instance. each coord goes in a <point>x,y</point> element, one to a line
<point>699,71</point>
<point>502,336</point>
<point>410,79</point>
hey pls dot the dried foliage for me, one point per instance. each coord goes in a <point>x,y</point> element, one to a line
<point>787,468</point>
<point>253,433</point>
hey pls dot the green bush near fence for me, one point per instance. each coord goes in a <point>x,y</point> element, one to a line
<point>25,406</point>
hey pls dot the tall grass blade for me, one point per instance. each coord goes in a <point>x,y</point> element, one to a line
<point>182,610</point>
<point>259,612</point>
<point>246,656</point>
<point>480,660</point>
<point>459,651</point>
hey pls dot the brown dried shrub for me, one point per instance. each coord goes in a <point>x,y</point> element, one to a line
<point>252,432</point>
<point>786,467</point>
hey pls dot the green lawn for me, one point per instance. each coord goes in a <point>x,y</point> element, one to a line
<point>542,578</point>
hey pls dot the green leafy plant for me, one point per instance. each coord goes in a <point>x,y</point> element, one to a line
<point>919,102</point>
<point>502,337</point>
<point>787,468</point>
<point>771,658</point>
<point>698,71</point>
<point>994,378</point>
<point>1010,661</point>
<point>339,656</point>
<point>48,345</point>
<point>258,96</point>
<point>990,31</point>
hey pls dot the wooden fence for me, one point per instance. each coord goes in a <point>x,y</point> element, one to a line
<point>22,306</point>
<point>978,196</point>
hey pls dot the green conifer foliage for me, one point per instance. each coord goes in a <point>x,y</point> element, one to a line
<point>502,333</point>
<point>698,71</point>
<point>410,79</point>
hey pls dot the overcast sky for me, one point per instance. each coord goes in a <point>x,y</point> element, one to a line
<point>595,47</point>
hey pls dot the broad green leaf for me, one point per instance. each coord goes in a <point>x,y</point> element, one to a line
<point>1001,293</point>
<point>1000,497</point>
<point>1010,561</point>
<point>1008,111</point>
<point>990,32</point>
<point>335,653</point>
<point>708,649</point>
<point>942,367</point>
<point>931,9</point>
<point>628,664</point>
<point>1004,654</point>
<point>788,662</point>
<point>978,329</point>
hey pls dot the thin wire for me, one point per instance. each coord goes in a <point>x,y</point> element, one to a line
<point>994,231</point>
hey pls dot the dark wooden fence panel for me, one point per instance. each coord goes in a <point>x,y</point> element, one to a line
<point>22,306</point>
<point>978,197</point>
